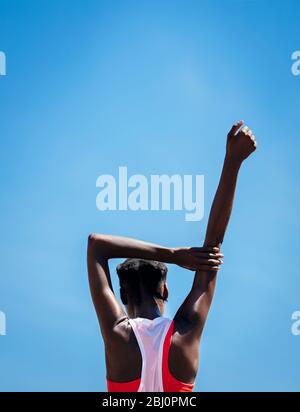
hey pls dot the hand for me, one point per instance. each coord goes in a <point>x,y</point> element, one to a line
<point>198,258</point>
<point>240,142</point>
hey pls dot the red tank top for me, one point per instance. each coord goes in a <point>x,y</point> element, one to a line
<point>169,382</point>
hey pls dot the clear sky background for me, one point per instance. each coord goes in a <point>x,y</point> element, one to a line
<point>154,86</point>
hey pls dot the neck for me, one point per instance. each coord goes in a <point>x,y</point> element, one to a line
<point>149,309</point>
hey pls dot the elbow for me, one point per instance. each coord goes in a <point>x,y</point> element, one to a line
<point>96,245</point>
<point>92,237</point>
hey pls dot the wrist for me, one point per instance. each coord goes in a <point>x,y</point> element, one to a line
<point>232,162</point>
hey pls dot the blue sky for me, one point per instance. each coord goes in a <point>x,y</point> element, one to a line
<point>154,86</point>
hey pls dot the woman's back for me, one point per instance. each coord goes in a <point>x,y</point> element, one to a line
<point>153,340</point>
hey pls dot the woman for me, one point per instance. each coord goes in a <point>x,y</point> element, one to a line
<point>144,350</point>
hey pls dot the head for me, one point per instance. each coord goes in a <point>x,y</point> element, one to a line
<point>143,282</point>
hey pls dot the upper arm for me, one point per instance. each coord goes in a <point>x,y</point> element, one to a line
<point>108,308</point>
<point>194,310</point>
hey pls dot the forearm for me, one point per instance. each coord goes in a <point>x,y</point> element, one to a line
<point>218,220</point>
<point>108,247</point>
<point>222,203</point>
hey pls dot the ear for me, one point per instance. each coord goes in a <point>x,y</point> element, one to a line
<point>165,293</point>
<point>123,296</point>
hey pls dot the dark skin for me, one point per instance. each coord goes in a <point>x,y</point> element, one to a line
<point>189,321</point>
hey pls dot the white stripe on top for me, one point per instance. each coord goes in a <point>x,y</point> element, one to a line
<point>150,335</point>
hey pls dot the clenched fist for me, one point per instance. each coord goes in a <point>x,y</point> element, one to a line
<point>240,142</point>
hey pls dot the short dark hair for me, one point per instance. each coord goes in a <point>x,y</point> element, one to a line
<point>136,272</point>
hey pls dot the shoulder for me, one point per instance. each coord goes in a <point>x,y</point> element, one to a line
<point>185,337</point>
<point>122,353</point>
<point>121,330</point>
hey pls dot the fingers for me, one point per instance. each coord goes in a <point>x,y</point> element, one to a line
<point>205,258</point>
<point>208,263</point>
<point>211,249</point>
<point>235,128</point>
<point>204,264</point>
<point>248,132</point>
<point>212,255</point>
<point>245,131</point>
<point>214,262</point>
<point>254,141</point>
<point>206,255</point>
